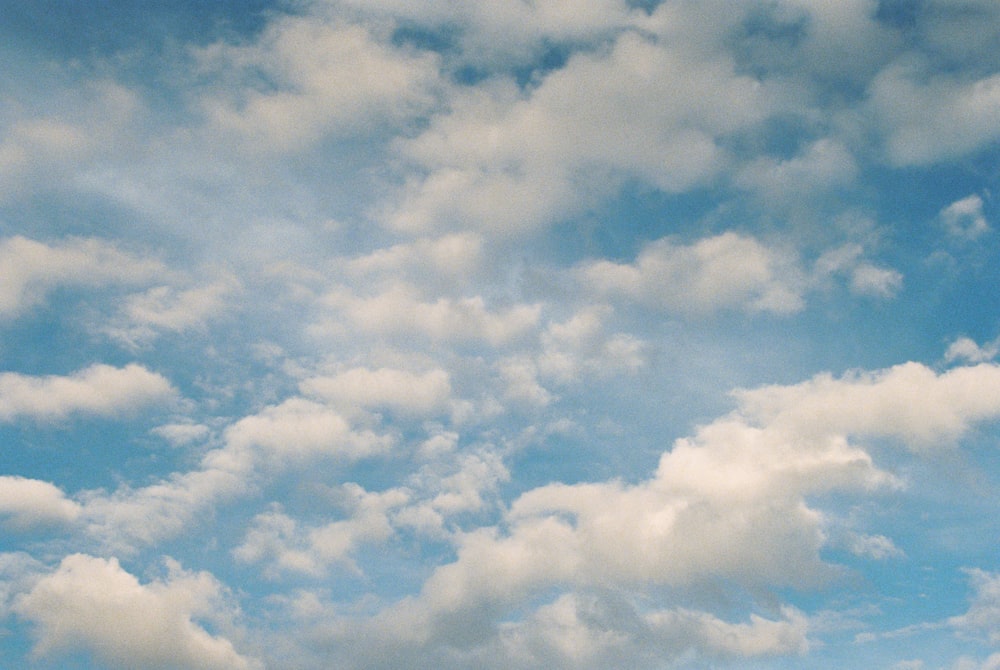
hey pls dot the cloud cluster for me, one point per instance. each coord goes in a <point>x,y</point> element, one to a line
<point>93,603</point>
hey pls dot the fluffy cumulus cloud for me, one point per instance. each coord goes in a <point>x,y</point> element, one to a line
<point>316,77</point>
<point>100,390</point>
<point>93,604</point>
<point>520,161</point>
<point>727,271</point>
<point>27,503</point>
<point>910,402</point>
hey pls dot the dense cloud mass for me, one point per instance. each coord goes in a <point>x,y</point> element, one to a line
<point>577,334</point>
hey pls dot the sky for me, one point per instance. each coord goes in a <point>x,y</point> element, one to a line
<point>370,334</point>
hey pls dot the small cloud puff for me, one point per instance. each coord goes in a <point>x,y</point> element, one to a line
<point>966,349</point>
<point>964,219</point>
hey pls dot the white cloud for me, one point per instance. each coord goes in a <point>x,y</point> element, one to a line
<point>964,218</point>
<point>39,140</point>
<point>299,430</point>
<point>910,402</point>
<point>450,257</point>
<point>578,631</point>
<point>759,637</point>
<point>182,433</point>
<point>927,118</point>
<point>385,388</point>
<point>983,615</point>
<point>507,163</point>
<point>867,279</point>
<point>968,350</point>
<point>726,271</point>
<point>132,517</point>
<point>729,503</point>
<point>462,487</point>
<point>92,604</point>
<point>286,546</point>
<point>878,547</point>
<point>400,312</point>
<point>46,150</point>
<point>164,308</point>
<point>508,32</point>
<point>864,278</point>
<point>291,434</point>
<point>33,269</point>
<point>306,77</point>
<point>581,346</point>
<point>28,503</point>
<point>825,164</point>
<point>100,390</point>
<point>519,376</point>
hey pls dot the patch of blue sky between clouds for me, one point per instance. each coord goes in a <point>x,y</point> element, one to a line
<point>502,335</point>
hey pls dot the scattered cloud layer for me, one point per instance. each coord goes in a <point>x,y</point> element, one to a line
<point>570,334</point>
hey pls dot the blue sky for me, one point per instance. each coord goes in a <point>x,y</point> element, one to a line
<point>577,334</point>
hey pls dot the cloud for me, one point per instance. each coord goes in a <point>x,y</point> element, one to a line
<point>181,433</point>
<point>878,547</point>
<point>277,539</point>
<point>508,33</point>
<point>306,77</point>
<point>928,117</point>
<point>909,402</point>
<point>507,162</point>
<point>591,631</point>
<point>823,165</point>
<point>731,504</point>
<point>726,271</point>
<point>400,312</point>
<point>39,140</point>
<point>450,257</point>
<point>100,390</point>
<point>164,308</point>
<point>864,278</point>
<point>43,149</point>
<point>94,605</point>
<point>299,430</point>
<point>33,269</point>
<point>964,218</point>
<point>26,504</point>
<point>129,518</point>
<point>983,615</point>
<point>966,349</point>
<point>579,347</point>
<point>292,434</point>
<point>386,388</point>
<point>867,279</point>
